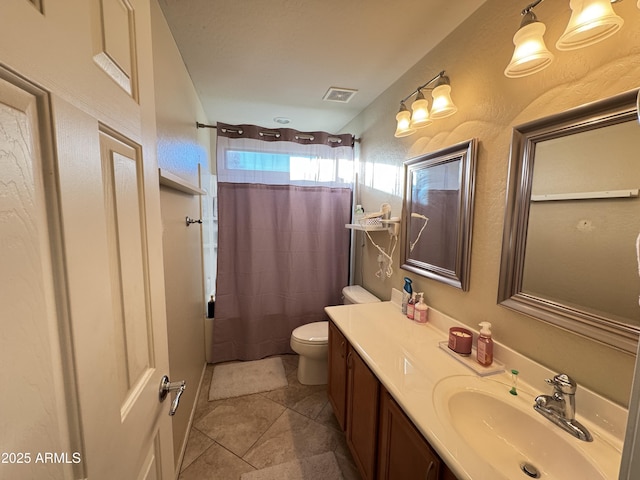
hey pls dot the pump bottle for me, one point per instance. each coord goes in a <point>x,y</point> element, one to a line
<point>485,345</point>
<point>411,306</point>
<point>421,314</point>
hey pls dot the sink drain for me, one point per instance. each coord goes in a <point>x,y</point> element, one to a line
<point>530,470</point>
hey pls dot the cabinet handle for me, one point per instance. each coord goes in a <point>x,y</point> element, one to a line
<point>426,477</point>
<point>343,347</point>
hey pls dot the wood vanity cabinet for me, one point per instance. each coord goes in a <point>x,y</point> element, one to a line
<point>363,393</point>
<point>403,451</point>
<point>337,382</point>
<point>353,391</point>
<point>383,441</point>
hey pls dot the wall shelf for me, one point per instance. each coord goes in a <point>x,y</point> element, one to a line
<point>171,180</point>
<point>630,193</point>
<point>385,225</point>
<point>366,228</point>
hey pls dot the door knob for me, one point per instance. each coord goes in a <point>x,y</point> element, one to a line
<point>166,387</point>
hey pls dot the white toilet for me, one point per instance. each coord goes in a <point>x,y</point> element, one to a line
<point>311,341</point>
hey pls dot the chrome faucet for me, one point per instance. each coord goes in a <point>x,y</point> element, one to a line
<point>560,408</point>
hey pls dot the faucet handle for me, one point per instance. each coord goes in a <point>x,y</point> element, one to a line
<point>563,383</point>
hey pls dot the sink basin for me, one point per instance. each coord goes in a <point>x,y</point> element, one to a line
<point>504,431</point>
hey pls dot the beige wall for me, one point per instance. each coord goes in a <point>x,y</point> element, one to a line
<point>181,148</point>
<point>490,104</point>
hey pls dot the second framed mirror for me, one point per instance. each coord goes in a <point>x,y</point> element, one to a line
<point>438,214</point>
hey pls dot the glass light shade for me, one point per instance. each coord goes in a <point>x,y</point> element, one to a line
<point>404,123</point>
<point>420,112</point>
<point>531,54</point>
<point>442,104</point>
<point>590,22</point>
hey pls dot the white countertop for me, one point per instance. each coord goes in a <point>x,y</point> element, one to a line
<point>408,361</point>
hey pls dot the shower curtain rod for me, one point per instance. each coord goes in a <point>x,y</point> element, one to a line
<point>204,125</point>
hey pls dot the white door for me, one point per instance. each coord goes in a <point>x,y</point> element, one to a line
<point>83,346</point>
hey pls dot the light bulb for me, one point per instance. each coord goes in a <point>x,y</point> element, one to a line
<point>530,54</point>
<point>442,104</point>
<point>403,117</point>
<point>420,112</point>
<point>591,21</point>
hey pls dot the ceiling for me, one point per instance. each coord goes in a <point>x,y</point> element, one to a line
<point>254,60</point>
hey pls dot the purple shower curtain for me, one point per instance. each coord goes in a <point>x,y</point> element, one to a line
<point>283,256</point>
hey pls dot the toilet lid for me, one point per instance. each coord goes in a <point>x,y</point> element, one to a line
<point>316,332</point>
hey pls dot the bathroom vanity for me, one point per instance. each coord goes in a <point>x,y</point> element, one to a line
<point>382,439</point>
<point>410,409</point>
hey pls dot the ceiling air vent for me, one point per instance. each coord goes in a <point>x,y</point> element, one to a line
<point>342,95</point>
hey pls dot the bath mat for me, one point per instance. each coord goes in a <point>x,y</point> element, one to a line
<point>242,378</point>
<point>318,467</point>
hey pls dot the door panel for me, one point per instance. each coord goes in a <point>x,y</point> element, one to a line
<point>114,33</point>
<point>118,316</point>
<point>124,204</point>
<point>83,299</point>
<point>36,373</point>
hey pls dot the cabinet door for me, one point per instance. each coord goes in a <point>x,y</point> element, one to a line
<point>337,387</point>
<point>404,453</point>
<point>362,414</point>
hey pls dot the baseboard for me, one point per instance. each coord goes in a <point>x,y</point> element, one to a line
<point>190,424</point>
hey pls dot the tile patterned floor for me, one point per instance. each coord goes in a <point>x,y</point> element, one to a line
<point>233,436</point>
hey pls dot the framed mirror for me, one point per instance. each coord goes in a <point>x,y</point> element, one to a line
<point>569,253</point>
<point>438,214</point>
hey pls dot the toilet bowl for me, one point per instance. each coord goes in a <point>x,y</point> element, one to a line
<point>311,341</point>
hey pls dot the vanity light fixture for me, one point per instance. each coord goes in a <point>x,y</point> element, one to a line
<point>591,21</point>
<point>419,116</point>
<point>531,54</point>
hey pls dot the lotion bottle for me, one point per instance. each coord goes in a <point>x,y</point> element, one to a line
<point>485,345</point>
<point>421,314</point>
<point>411,306</point>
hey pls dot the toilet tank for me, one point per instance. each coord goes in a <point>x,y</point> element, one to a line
<point>356,294</point>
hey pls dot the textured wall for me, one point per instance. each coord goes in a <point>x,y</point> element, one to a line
<point>490,104</point>
<point>181,147</point>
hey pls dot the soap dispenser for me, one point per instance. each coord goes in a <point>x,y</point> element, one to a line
<point>421,314</point>
<point>485,345</point>
<point>411,306</point>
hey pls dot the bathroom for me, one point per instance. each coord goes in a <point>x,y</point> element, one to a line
<point>490,105</point>
<point>493,105</point>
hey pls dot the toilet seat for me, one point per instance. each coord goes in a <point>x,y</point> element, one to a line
<point>316,333</point>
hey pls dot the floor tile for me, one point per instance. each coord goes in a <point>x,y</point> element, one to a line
<point>216,463</point>
<point>304,399</point>
<point>204,406</point>
<point>197,443</point>
<point>327,417</point>
<point>290,363</point>
<point>271,428</point>
<point>292,436</point>
<point>236,423</point>
<point>319,467</point>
